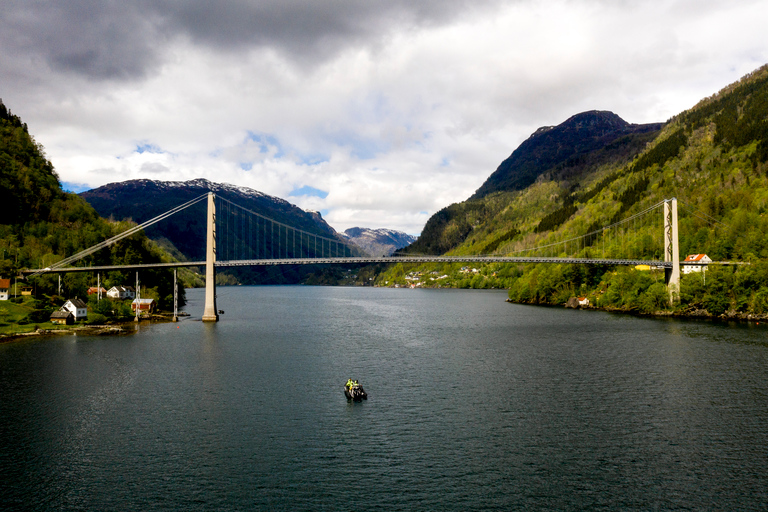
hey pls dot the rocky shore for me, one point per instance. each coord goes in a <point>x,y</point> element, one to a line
<point>701,314</point>
<point>116,329</point>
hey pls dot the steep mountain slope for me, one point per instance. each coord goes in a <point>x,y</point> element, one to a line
<point>29,186</point>
<point>713,158</point>
<point>141,200</point>
<point>184,234</point>
<point>41,224</point>
<point>568,153</point>
<point>378,242</point>
<point>583,141</point>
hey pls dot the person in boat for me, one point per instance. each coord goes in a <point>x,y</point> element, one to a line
<point>349,384</point>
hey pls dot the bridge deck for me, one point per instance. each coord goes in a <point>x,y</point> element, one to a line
<point>360,261</point>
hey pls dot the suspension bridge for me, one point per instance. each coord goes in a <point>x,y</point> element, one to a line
<point>237,236</point>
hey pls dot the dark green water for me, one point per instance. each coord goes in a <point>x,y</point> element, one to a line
<point>474,404</point>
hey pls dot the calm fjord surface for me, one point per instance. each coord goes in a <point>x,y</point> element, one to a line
<point>474,404</point>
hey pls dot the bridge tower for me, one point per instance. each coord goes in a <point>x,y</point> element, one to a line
<point>210,313</point>
<point>671,249</point>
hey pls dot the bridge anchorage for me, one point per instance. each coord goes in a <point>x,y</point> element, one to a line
<point>237,236</point>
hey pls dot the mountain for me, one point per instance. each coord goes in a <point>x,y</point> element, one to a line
<point>378,242</point>
<point>582,142</point>
<point>567,153</point>
<point>184,234</point>
<point>141,200</point>
<point>713,158</point>
<point>29,186</point>
<point>41,224</point>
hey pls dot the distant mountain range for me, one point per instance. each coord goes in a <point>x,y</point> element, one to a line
<point>378,242</point>
<point>141,200</point>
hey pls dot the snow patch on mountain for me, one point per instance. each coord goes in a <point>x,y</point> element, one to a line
<point>378,242</point>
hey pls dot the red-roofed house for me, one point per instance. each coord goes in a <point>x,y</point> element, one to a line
<point>696,258</point>
<point>5,289</point>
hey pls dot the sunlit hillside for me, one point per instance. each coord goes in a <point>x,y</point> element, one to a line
<point>713,158</point>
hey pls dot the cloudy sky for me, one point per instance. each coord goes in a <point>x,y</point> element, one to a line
<point>375,112</point>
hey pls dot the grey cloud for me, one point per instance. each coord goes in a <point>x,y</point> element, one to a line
<point>97,39</point>
<point>107,39</point>
<point>154,168</point>
<point>304,27</point>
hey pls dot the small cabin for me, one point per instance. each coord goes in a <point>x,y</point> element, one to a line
<point>77,307</point>
<point>700,259</point>
<point>143,305</point>
<point>62,318</point>
<point>5,289</point>
<point>96,289</point>
<point>577,302</point>
<point>26,290</point>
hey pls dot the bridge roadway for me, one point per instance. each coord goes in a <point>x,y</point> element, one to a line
<point>362,260</point>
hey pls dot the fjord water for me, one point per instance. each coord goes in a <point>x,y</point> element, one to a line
<point>474,404</point>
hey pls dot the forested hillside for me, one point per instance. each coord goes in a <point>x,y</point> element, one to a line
<point>713,158</point>
<point>567,153</point>
<point>41,224</point>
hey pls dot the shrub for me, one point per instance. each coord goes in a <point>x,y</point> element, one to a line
<point>96,318</point>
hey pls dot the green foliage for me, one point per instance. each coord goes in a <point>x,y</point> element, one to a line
<point>29,187</point>
<point>662,151</point>
<point>40,224</point>
<point>556,218</point>
<point>448,228</point>
<point>712,158</point>
<point>493,244</point>
<point>96,319</point>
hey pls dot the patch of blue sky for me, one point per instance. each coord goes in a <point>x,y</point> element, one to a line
<point>366,149</point>
<point>266,143</point>
<point>246,166</point>
<point>361,147</point>
<point>74,188</point>
<point>306,190</point>
<point>269,143</point>
<point>445,162</point>
<point>146,147</point>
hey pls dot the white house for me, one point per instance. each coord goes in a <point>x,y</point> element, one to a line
<point>121,292</point>
<point>77,307</point>
<point>696,258</point>
<point>5,287</point>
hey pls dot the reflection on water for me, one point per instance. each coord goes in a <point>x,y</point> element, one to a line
<point>474,404</point>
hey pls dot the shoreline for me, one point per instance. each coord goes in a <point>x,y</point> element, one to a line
<point>695,314</point>
<point>115,329</point>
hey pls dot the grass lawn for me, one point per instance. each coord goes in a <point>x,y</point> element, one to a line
<point>11,314</point>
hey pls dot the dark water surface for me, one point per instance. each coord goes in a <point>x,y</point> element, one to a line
<point>474,404</point>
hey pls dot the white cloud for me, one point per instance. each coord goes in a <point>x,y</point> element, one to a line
<point>402,118</point>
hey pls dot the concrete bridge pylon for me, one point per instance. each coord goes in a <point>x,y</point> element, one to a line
<point>671,249</point>
<point>210,312</point>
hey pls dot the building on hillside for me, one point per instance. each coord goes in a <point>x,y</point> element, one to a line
<point>96,289</point>
<point>121,292</point>
<point>143,305</point>
<point>62,317</point>
<point>5,289</point>
<point>703,259</point>
<point>77,307</point>
<point>26,290</point>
